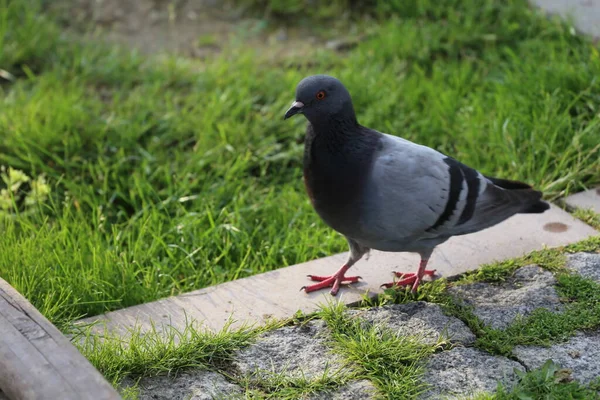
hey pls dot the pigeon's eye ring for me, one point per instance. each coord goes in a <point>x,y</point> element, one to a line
<point>320,95</point>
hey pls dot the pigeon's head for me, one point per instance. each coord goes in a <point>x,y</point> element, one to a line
<point>321,98</point>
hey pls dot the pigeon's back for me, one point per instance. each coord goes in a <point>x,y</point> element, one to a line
<point>416,197</point>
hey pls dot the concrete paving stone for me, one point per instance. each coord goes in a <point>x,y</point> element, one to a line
<point>581,354</point>
<point>585,13</point>
<point>357,390</point>
<point>418,318</point>
<point>589,199</point>
<point>465,371</point>
<point>191,385</point>
<point>276,293</point>
<point>497,305</point>
<point>299,350</point>
<point>585,264</point>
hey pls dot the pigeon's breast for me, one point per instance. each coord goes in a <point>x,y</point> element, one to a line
<point>338,202</point>
<point>335,177</point>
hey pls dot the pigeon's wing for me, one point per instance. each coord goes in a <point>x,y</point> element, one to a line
<point>415,192</point>
<point>412,192</point>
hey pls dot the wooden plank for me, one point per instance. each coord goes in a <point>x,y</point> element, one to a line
<point>276,293</point>
<point>37,362</point>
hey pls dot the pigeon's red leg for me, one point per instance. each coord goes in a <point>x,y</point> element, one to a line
<point>411,278</point>
<point>334,281</point>
<point>319,278</point>
<point>420,274</point>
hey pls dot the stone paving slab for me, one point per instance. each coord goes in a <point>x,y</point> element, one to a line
<point>299,350</point>
<point>276,293</point>
<point>465,371</point>
<point>581,354</point>
<point>418,318</point>
<point>192,385</point>
<point>590,199</point>
<point>585,264</point>
<point>585,13</point>
<point>207,385</point>
<point>358,390</point>
<point>305,350</point>
<point>497,305</point>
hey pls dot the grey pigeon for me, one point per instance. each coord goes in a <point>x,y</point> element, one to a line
<point>386,193</point>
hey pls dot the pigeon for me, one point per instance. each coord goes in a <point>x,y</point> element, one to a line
<point>386,193</point>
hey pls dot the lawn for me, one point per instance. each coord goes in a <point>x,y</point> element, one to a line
<point>127,178</point>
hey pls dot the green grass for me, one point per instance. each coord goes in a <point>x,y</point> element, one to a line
<point>542,327</point>
<point>163,351</point>
<point>588,216</point>
<point>546,382</point>
<point>581,298</point>
<point>303,11</point>
<point>168,175</point>
<point>125,359</point>
<point>393,363</point>
<point>282,386</point>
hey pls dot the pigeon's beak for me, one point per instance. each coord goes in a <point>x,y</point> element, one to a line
<point>294,109</point>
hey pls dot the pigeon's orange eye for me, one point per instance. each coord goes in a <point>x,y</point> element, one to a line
<point>321,95</point>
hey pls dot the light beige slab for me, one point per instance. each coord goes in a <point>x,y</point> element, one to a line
<point>585,200</point>
<point>584,14</point>
<point>277,293</point>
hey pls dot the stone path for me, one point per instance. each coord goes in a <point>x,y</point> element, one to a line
<point>458,371</point>
<point>581,354</point>
<point>192,385</point>
<point>425,318</point>
<point>465,371</point>
<point>585,264</point>
<point>294,350</point>
<point>531,287</point>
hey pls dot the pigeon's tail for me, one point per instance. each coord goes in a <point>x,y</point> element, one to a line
<point>508,184</point>
<point>536,208</point>
<point>530,198</point>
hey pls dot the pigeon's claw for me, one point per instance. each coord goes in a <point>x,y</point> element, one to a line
<point>430,272</point>
<point>409,279</point>
<point>334,281</point>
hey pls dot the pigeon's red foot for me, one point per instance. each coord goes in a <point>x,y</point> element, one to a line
<point>334,281</point>
<point>409,279</point>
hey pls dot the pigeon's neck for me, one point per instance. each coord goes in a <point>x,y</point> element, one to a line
<point>335,131</point>
<point>341,119</point>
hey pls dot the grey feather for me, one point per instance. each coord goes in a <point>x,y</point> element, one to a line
<point>408,190</point>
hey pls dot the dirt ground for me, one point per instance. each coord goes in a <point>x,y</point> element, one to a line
<point>191,28</point>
